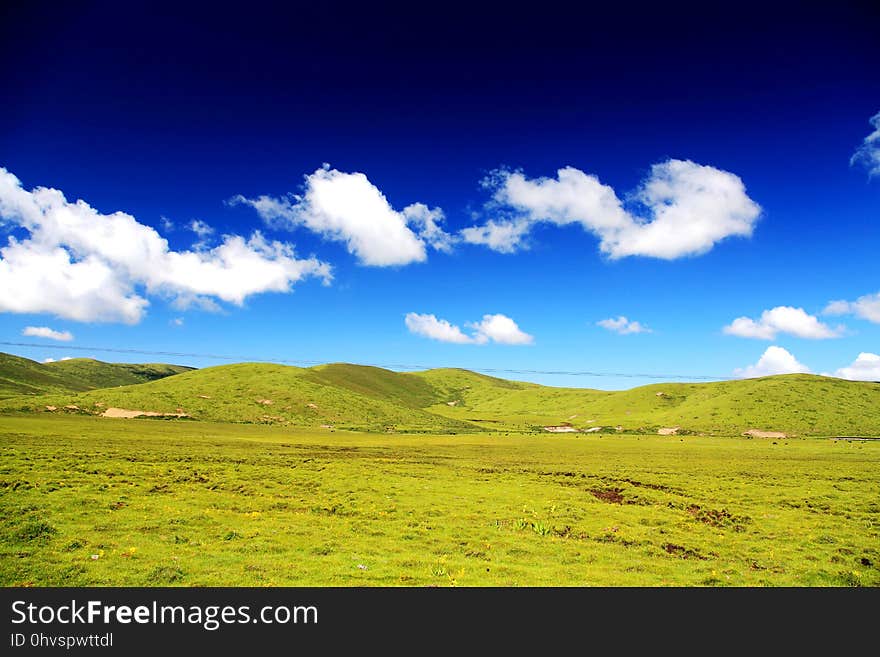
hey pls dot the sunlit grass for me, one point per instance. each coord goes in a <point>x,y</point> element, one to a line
<point>90,501</point>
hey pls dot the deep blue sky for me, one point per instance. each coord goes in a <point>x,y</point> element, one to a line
<point>165,111</point>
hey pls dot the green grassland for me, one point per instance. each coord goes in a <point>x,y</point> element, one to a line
<point>95,501</point>
<point>454,401</point>
<point>21,376</point>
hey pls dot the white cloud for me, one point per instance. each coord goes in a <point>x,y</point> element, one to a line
<point>167,224</point>
<point>492,328</point>
<point>80,264</point>
<point>200,228</point>
<point>52,360</point>
<point>500,329</point>
<point>865,368</point>
<point>868,154</point>
<point>501,236</point>
<point>46,332</point>
<point>347,207</point>
<point>782,319</point>
<point>866,307</point>
<point>689,208</point>
<point>436,329</point>
<point>623,326</point>
<point>775,360</point>
<point>177,321</point>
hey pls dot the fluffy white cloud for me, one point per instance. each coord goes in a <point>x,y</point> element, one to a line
<point>46,332</point>
<point>500,329</point>
<point>177,321</point>
<point>501,236</point>
<point>865,368</point>
<point>52,360</point>
<point>689,208</point>
<point>623,325</point>
<point>347,207</point>
<point>782,319</point>
<point>436,329</point>
<point>492,328</point>
<point>868,154</point>
<point>80,264</point>
<point>775,360</point>
<point>866,307</point>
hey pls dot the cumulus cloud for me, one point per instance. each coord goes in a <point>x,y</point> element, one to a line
<point>52,360</point>
<point>348,208</point>
<point>501,236</point>
<point>500,329</point>
<point>492,328</point>
<point>866,307</point>
<point>46,332</point>
<point>436,329</point>
<point>866,367</point>
<point>868,154</point>
<point>686,208</point>
<point>782,319</point>
<point>80,264</point>
<point>623,326</point>
<point>775,360</point>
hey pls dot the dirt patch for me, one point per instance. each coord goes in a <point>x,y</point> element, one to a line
<point>128,413</point>
<point>717,518</point>
<point>682,551</point>
<point>610,495</point>
<point>313,406</point>
<point>757,433</point>
<point>668,431</point>
<point>72,407</point>
<point>265,402</point>
<point>203,397</point>
<point>51,408</point>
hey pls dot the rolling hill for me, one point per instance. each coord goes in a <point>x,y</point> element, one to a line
<point>22,376</point>
<point>441,400</point>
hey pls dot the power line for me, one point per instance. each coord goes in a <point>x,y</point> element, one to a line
<point>288,361</point>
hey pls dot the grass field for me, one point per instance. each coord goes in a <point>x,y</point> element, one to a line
<point>93,501</point>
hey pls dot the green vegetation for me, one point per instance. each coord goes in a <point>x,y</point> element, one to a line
<point>92,501</point>
<point>21,376</point>
<point>454,401</point>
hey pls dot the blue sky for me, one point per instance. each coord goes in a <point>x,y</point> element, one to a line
<point>523,184</point>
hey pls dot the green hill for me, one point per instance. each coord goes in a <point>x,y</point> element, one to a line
<point>797,404</point>
<point>450,400</point>
<point>22,376</point>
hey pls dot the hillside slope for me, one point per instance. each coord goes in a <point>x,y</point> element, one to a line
<point>799,404</point>
<point>453,400</point>
<point>270,394</point>
<point>22,376</point>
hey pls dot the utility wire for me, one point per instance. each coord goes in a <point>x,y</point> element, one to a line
<point>287,361</point>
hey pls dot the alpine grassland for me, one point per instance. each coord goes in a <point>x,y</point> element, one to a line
<point>89,501</point>
<point>257,474</point>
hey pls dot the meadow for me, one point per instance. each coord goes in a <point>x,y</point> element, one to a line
<point>90,501</point>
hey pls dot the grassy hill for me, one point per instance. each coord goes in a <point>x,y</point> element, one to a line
<point>800,404</point>
<point>451,400</point>
<point>22,376</point>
